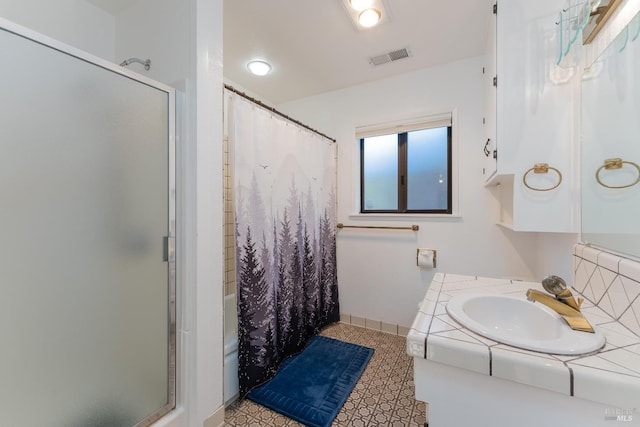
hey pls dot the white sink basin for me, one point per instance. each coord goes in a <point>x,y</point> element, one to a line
<point>521,323</point>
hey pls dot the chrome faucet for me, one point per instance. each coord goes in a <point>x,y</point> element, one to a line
<point>564,303</point>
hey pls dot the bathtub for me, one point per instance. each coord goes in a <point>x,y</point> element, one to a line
<point>230,349</point>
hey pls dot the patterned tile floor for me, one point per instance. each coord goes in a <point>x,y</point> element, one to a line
<point>384,395</point>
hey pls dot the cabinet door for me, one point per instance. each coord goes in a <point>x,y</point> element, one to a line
<point>535,115</point>
<point>489,149</point>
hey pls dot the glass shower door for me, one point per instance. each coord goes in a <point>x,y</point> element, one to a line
<point>87,317</point>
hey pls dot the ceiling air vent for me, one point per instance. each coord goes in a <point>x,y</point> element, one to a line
<point>390,56</point>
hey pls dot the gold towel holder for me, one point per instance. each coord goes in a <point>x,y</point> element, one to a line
<point>616,163</point>
<point>379,227</point>
<point>541,168</point>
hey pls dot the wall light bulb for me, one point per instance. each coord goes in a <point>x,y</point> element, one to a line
<point>369,18</point>
<point>259,68</point>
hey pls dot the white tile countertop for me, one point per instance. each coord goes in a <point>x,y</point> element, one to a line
<point>609,376</point>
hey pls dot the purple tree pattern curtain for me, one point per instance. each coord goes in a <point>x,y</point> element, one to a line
<point>284,189</point>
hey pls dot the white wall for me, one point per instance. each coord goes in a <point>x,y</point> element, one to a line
<point>73,22</point>
<point>377,274</point>
<point>209,228</point>
<point>159,30</point>
<point>555,255</point>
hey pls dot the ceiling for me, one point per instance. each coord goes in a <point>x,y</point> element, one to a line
<point>314,47</point>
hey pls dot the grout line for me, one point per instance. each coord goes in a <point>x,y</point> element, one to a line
<point>490,361</point>
<point>571,379</point>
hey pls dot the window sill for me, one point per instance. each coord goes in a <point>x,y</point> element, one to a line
<point>396,217</point>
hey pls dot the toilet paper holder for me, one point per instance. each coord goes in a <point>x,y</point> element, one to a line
<point>435,255</point>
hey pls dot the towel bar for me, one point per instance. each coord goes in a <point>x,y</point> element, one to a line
<point>380,227</point>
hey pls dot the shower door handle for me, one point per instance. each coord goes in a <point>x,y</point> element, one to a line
<point>168,249</point>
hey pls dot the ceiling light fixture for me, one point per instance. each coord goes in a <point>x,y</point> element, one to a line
<point>367,13</point>
<point>360,5</point>
<point>369,17</point>
<point>259,68</point>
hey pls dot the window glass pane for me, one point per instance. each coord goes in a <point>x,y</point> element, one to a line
<point>427,169</point>
<point>380,169</point>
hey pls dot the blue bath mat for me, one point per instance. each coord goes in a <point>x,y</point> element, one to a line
<point>312,386</point>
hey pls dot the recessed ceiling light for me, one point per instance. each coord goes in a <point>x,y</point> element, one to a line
<point>259,68</point>
<point>366,14</point>
<point>360,4</point>
<point>369,17</point>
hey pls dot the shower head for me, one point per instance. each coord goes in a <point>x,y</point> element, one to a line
<point>146,63</point>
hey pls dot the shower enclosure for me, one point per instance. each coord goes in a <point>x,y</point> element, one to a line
<point>87,306</point>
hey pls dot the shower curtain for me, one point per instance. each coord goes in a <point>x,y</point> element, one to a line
<point>284,190</point>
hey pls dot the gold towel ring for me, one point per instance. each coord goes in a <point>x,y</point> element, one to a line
<point>541,168</point>
<point>616,163</point>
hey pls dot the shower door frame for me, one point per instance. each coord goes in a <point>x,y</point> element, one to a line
<point>170,239</point>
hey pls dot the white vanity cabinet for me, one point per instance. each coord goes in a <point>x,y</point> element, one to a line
<point>500,385</point>
<point>530,118</point>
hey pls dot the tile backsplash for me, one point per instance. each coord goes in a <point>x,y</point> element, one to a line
<point>609,281</point>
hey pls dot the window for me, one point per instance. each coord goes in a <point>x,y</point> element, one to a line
<point>407,171</point>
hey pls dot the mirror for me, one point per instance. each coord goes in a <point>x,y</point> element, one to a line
<point>610,131</point>
<point>601,10</point>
